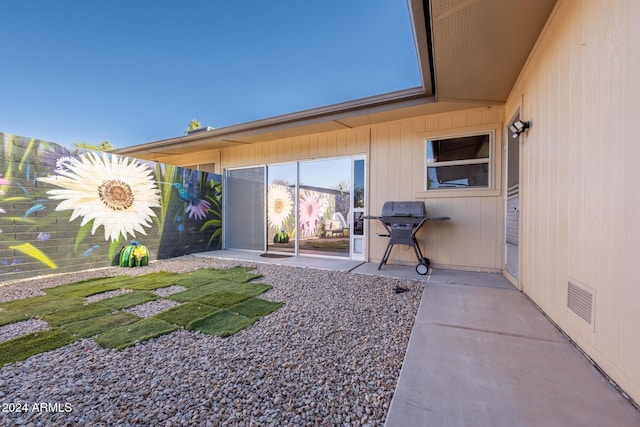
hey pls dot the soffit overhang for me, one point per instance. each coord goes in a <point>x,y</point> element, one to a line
<point>480,46</point>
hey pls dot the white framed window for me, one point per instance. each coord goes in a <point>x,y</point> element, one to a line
<point>459,162</point>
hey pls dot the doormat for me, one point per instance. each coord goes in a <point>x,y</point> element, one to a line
<point>272,255</point>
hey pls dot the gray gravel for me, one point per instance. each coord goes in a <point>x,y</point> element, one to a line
<point>106,295</point>
<point>330,356</point>
<point>25,327</point>
<point>152,308</point>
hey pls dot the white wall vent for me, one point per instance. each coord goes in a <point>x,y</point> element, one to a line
<point>580,300</point>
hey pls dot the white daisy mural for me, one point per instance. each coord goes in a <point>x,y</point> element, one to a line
<point>279,205</point>
<point>114,192</point>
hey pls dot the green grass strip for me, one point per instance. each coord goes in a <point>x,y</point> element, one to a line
<point>223,323</point>
<point>223,299</point>
<point>11,316</point>
<point>41,305</point>
<point>249,289</point>
<point>88,287</point>
<point>142,330</point>
<point>22,348</point>
<point>253,289</point>
<point>186,313</point>
<point>121,302</point>
<point>91,327</point>
<point>75,313</point>
<point>239,274</point>
<point>206,276</point>
<point>197,278</point>
<point>152,281</point>
<point>241,287</point>
<point>256,307</point>
<point>194,293</point>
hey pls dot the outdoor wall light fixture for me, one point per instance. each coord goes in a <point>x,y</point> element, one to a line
<point>518,127</point>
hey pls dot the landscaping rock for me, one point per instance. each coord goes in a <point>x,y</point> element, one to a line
<point>330,355</point>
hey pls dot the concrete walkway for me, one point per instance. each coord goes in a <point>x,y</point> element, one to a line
<point>480,354</point>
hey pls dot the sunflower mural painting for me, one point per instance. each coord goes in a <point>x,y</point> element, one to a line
<point>66,209</point>
<point>281,216</point>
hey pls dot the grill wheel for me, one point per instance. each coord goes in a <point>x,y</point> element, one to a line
<point>423,267</point>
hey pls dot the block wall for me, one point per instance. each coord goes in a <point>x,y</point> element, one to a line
<point>63,209</point>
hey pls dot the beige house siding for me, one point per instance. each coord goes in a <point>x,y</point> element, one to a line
<point>317,146</point>
<point>580,194</point>
<point>396,171</point>
<point>473,237</point>
<point>208,157</point>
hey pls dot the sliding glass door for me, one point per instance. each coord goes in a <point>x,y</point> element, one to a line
<point>313,207</point>
<point>324,207</point>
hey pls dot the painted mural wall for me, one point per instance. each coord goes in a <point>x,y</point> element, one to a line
<point>64,209</point>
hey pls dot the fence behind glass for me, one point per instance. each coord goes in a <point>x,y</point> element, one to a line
<point>324,207</point>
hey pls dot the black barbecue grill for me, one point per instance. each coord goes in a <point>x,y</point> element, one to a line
<point>402,220</point>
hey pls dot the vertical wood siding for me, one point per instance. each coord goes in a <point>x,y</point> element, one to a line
<point>580,192</point>
<point>473,239</point>
<point>338,143</point>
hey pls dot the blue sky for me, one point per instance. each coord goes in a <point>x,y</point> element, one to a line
<point>136,71</point>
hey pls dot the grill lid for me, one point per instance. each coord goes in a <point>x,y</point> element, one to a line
<point>404,209</point>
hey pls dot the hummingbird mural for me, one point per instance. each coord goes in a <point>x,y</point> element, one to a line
<point>188,192</point>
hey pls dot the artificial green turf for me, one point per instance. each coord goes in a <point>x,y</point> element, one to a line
<point>75,313</point>
<point>39,305</point>
<point>193,294</point>
<point>121,302</point>
<point>153,281</point>
<point>206,276</point>
<point>223,323</point>
<point>250,289</point>
<point>91,327</point>
<point>11,316</point>
<point>127,335</point>
<point>223,299</point>
<point>256,307</point>
<point>186,313</point>
<point>88,287</point>
<point>208,293</point>
<point>28,345</point>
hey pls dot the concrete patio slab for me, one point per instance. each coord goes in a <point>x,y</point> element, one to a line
<point>484,356</point>
<point>470,278</point>
<point>321,263</point>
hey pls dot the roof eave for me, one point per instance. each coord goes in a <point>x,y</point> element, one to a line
<point>335,112</point>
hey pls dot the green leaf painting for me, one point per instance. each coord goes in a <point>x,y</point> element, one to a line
<point>35,253</point>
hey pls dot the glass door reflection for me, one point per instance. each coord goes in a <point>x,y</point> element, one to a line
<point>324,205</point>
<point>281,212</point>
